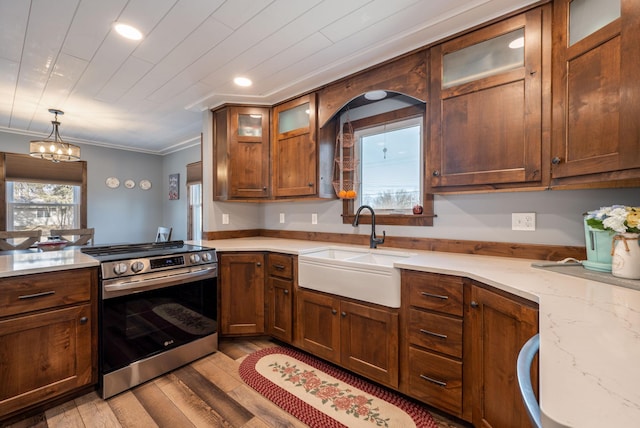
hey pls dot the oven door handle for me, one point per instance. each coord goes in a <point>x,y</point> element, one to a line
<point>154,283</point>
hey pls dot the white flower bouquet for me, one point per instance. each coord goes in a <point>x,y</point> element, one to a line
<point>617,218</point>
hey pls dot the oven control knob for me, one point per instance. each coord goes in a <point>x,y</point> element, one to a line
<point>195,258</point>
<point>120,268</point>
<point>137,267</point>
<point>206,257</point>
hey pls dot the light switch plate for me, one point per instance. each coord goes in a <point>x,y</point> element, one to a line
<point>281,217</point>
<point>314,218</point>
<point>225,218</point>
<point>523,221</point>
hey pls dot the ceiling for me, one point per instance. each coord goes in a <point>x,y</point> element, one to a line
<point>149,95</point>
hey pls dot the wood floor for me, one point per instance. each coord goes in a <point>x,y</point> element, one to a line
<point>206,393</point>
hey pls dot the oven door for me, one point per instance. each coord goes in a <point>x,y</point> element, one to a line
<point>150,319</point>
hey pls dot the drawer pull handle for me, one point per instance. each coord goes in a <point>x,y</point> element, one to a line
<point>33,296</point>
<point>437,296</point>
<point>431,333</point>
<point>279,267</point>
<point>437,382</point>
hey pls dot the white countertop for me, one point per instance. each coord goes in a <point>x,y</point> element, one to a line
<point>589,331</point>
<point>25,263</point>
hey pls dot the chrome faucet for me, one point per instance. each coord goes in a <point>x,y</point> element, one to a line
<point>373,241</point>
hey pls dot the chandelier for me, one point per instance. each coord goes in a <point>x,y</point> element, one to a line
<point>54,150</point>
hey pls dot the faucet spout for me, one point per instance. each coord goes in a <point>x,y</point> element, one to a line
<point>374,241</point>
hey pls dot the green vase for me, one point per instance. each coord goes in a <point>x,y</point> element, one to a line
<point>598,243</point>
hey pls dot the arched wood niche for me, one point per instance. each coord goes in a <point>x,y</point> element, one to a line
<point>406,75</point>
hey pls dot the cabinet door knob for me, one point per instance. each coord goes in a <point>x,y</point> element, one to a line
<point>556,160</point>
<point>333,311</point>
<point>474,304</point>
<point>436,173</point>
<point>344,314</point>
<point>285,291</point>
<point>84,320</point>
<point>264,189</point>
<point>310,184</point>
<point>258,264</point>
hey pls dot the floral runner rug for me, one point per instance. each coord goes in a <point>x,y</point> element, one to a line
<point>322,395</point>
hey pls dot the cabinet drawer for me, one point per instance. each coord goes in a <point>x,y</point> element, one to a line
<point>281,265</point>
<point>28,293</point>
<point>437,332</point>
<point>442,293</point>
<point>435,380</point>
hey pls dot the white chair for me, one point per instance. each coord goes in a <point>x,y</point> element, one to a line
<point>164,234</point>
<point>75,237</point>
<point>32,236</point>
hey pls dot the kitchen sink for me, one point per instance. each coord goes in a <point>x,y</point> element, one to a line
<point>359,273</point>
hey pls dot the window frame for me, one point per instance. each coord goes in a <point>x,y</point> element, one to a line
<point>424,219</point>
<point>40,170</point>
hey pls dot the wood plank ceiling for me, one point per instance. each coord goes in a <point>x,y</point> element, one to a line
<point>149,95</point>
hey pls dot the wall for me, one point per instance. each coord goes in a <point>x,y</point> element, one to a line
<point>481,217</point>
<point>127,215</point>
<point>174,212</point>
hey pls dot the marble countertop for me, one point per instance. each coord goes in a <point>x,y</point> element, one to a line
<point>589,331</point>
<point>14,263</point>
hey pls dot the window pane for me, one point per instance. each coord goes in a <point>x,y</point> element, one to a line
<point>494,56</point>
<point>195,210</point>
<point>391,166</point>
<point>250,125</point>
<point>42,206</point>
<point>294,118</point>
<point>588,16</point>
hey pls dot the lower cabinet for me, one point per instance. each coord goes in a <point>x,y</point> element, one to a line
<point>48,337</point>
<point>500,326</point>
<point>282,268</point>
<point>241,293</point>
<point>358,336</point>
<point>459,347</point>
<point>433,307</point>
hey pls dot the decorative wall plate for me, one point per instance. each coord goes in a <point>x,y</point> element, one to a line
<point>113,182</point>
<point>145,184</point>
<point>129,184</point>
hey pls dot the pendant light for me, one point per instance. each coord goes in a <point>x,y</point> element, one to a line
<point>54,150</point>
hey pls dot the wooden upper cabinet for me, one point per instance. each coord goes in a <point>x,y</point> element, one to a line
<point>487,106</point>
<point>293,150</point>
<point>596,96</point>
<point>241,153</point>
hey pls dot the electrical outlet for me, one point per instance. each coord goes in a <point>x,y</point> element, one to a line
<point>523,221</point>
<point>314,218</point>
<point>225,218</point>
<point>281,217</point>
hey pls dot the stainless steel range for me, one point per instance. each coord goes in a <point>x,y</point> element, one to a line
<point>158,310</point>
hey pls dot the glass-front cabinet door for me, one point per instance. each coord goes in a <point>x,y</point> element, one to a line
<point>596,96</point>
<point>241,153</point>
<point>294,149</point>
<point>486,119</point>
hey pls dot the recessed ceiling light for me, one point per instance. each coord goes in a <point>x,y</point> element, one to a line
<point>127,31</point>
<point>517,43</point>
<point>375,95</point>
<point>242,81</point>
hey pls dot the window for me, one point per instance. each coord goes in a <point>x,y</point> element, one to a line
<point>194,200</point>
<point>390,166</point>
<point>40,194</point>
<point>391,180</point>
<point>43,206</point>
